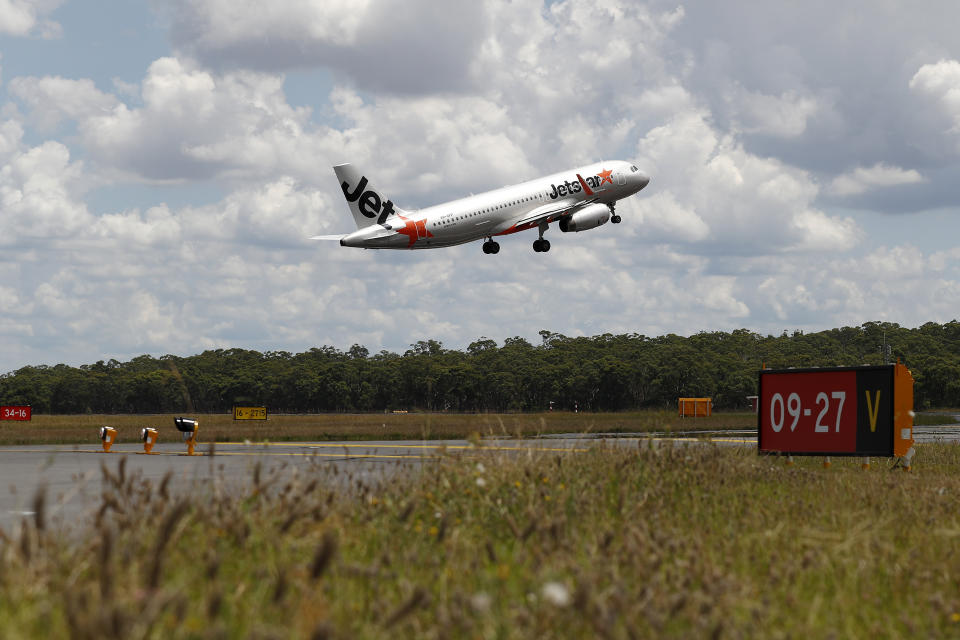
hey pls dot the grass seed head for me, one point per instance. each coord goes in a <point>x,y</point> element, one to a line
<point>165,484</point>
<point>214,604</point>
<point>164,538</point>
<point>405,513</point>
<point>39,508</point>
<point>417,599</point>
<point>213,567</point>
<point>324,554</point>
<point>26,542</point>
<point>104,559</point>
<point>281,588</point>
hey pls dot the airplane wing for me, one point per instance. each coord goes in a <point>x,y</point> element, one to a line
<point>561,207</point>
<point>337,237</point>
<point>553,209</point>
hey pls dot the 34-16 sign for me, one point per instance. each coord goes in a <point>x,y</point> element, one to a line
<point>853,411</point>
<point>20,412</point>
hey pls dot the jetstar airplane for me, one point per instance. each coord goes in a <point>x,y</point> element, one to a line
<point>576,200</point>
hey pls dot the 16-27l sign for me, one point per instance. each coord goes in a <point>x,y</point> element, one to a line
<point>854,411</point>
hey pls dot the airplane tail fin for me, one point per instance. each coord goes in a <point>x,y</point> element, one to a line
<point>367,205</point>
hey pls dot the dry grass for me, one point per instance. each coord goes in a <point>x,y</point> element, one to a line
<point>685,541</point>
<point>57,429</point>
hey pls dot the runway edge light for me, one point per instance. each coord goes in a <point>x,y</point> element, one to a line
<point>149,438</point>
<point>108,435</point>
<point>188,427</point>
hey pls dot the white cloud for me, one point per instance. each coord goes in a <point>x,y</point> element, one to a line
<point>661,217</point>
<point>433,145</point>
<point>383,46</point>
<point>11,137</point>
<point>880,175</point>
<point>40,192</point>
<point>27,17</point>
<point>941,81</point>
<point>783,116</point>
<point>52,99</point>
<point>749,204</point>
<point>217,24</point>
<point>850,290</point>
<point>821,233</point>
<point>194,124</point>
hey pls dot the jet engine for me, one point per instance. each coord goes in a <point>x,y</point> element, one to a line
<point>589,217</point>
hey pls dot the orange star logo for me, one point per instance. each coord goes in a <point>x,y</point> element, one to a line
<point>414,230</point>
<point>605,176</point>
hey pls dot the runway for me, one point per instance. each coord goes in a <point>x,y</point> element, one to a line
<point>72,479</point>
<point>949,433</point>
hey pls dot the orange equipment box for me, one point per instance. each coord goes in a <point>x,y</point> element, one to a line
<point>695,407</point>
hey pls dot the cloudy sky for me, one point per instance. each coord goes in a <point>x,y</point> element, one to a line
<point>162,165</point>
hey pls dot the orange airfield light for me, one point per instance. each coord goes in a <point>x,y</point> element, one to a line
<point>149,438</point>
<point>108,435</point>
<point>189,428</point>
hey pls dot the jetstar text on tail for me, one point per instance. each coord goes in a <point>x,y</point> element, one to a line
<point>568,188</point>
<point>370,202</point>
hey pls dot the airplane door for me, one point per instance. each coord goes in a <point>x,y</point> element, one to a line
<point>621,178</point>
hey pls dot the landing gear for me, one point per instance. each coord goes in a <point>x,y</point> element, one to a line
<point>614,218</point>
<point>490,246</point>
<point>541,245</point>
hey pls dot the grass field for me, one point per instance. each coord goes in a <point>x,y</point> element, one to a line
<point>667,541</point>
<point>58,429</point>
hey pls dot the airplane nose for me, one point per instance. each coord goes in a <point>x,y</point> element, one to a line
<point>643,179</point>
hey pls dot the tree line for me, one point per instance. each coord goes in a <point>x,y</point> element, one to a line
<point>600,373</point>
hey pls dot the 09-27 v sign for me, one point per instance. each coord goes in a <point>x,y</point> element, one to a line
<point>846,411</point>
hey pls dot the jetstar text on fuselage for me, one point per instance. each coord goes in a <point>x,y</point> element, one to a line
<point>569,188</point>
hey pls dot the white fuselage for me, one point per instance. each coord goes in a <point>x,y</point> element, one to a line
<point>529,205</point>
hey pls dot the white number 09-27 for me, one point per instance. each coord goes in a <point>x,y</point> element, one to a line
<point>792,407</point>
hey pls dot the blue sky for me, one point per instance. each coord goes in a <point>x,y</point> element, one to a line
<point>163,164</point>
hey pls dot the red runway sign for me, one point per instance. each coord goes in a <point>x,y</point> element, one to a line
<point>15,413</point>
<point>854,411</point>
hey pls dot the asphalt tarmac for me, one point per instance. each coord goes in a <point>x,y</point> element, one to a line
<point>72,480</point>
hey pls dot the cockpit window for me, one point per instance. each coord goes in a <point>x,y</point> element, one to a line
<point>634,169</point>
